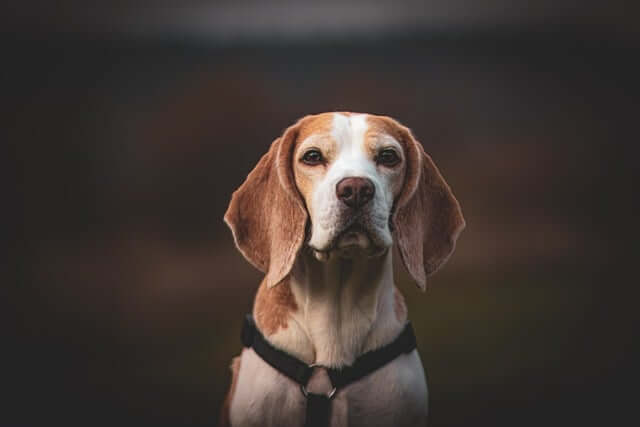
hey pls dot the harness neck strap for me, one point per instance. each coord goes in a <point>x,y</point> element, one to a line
<point>318,405</point>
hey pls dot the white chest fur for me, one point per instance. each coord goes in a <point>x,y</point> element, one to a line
<point>394,395</point>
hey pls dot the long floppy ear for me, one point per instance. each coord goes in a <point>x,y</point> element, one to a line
<point>427,218</point>
<point>267,215</point>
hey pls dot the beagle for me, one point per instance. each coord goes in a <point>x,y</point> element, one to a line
<point>319,215</point>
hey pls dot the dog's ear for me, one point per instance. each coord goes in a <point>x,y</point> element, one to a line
<point>427,218</point>
<point>267,215</point>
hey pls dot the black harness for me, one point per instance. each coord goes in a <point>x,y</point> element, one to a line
<point>319,405</point>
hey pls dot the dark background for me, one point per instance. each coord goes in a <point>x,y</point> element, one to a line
<point>129,124</point>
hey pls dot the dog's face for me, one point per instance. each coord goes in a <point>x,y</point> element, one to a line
<point>349,170</point>
<point>349,184</point>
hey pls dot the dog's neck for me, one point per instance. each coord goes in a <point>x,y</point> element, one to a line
<point>330,312</point>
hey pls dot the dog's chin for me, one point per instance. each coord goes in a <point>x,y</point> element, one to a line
<point>354,242</point>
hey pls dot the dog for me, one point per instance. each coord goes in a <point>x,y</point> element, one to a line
<point>319,215</point>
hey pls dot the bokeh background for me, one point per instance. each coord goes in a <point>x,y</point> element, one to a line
<point>130,124</point>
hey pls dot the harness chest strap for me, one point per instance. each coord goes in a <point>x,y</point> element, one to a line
<point>318,405</point>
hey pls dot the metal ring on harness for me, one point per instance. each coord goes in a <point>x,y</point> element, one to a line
<point>329,395</point>
<point>303,388</point>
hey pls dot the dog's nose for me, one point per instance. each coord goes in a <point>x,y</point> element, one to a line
<point>355,192</point>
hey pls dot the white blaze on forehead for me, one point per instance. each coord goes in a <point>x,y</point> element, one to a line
<point>348,129</point>
<point>349,132</point>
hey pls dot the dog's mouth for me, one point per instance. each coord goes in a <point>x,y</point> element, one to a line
<point>355,239</point>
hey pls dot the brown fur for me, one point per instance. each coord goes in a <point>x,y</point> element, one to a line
<point>225,420</point>
<point>379,125</point>
<point>267,215</point>
<point>319,125</point>
<point>427,218</point>
<point>315,125</point>
<point>272,307</point>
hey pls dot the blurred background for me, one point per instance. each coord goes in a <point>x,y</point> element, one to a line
<point>129,124</point>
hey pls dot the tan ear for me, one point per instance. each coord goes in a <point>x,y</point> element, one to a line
<point>267,215</point>
<point>427,218</point>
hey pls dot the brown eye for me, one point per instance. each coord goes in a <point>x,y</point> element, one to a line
<point>312,157</point>
<point>388,158</point>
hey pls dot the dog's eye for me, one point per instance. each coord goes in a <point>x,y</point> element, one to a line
<point>388,157</point>
<point>312,157</point>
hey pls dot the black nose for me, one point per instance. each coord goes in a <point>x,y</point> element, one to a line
<point>355,192</point>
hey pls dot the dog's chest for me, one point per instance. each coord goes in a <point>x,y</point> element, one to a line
<point>394,395</point>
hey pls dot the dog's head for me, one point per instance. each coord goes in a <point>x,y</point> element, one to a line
<point>346,185</point>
